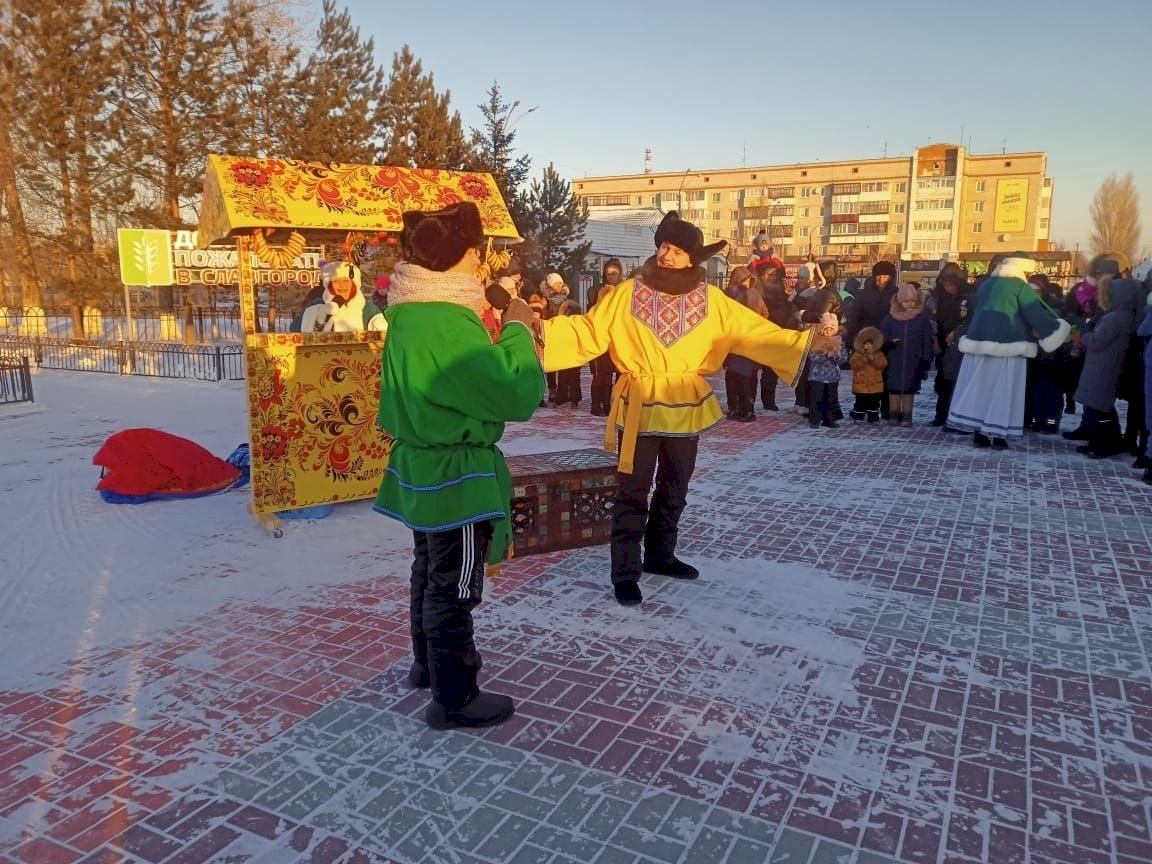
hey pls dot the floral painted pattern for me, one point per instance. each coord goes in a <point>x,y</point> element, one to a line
<point>670,318</point>
<point>312,421</point>
<point>243,193</point>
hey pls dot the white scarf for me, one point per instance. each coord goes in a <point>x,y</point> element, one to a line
<point>412,283</point>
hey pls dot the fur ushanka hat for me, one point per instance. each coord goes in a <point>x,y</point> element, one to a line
<point>684,235</point>
<point>438,239</point>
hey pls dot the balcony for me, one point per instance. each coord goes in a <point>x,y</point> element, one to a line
<point>846,189</point>
<point>871,208</point>
<point>843,218</point>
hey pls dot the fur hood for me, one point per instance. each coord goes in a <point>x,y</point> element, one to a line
<point>869,334</point>
<point>906,294</point>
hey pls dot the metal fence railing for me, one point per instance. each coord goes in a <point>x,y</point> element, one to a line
<point>15,380</point>
<point>207,325</point>
<point>146,359</point>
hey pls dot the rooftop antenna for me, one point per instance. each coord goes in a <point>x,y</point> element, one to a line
<point>885,148</point>
<point>647,160</point>
<point>1003,146</point>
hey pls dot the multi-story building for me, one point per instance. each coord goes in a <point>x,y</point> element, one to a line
<point>936,204</point>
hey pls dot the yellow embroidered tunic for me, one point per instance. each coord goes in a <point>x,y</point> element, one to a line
<point>664,345</point>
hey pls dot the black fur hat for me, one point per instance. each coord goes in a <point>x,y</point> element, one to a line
<point>884,268</point>
<point>684,235</point>
<point>438,239</point>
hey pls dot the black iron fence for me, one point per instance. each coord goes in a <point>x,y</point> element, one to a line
<point>146,359</point>
<point>15,380</point>
<point>199,324</point>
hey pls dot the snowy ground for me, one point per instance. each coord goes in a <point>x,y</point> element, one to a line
<point>79,576</point>
<point>901,649</point>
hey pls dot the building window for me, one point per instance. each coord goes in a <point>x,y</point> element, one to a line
<point>1007,163</point>
<point>1044,224</point>
<point>900,208</point>
<point>981,185</point>
<point>655,200</point>
<point>975,247</point>
<point>845,228</point>
<point>937,183</point>
<point>715,215</point>
<point>933,225</point>
<point>715,197</point>
<point>873,227</point>
<point>781,192</point>
<point>902,187</point>
<point>1047,182</point>
<point>607,200</point>
<point>805,212</point>
<point>804,231</point>
<point>803,173</point>
<point>840,208</point>
<point>977,227</point>
<point>881,186</point>
<point>695,195</point>
<point>735,196</point>
<point>639,200</point>
<point>897,227</point>
<point>734,234</point>
<point>805,191</point>
<point>978,207</point>
<point>734,215</point>
<point>846,189</point>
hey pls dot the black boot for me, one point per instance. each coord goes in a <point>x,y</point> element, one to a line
<point>979,439</point>
<point>1147,478</point>
<point>1077,434</point>
<point>628,593</point>
<point>483,709</point>
<point>873,416</point>
<point>673,568</point>
<point>999,444</point>
<point>419,677</point>
<point>857,416</point>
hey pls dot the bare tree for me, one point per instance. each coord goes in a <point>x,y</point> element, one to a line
<point>1116,217</point>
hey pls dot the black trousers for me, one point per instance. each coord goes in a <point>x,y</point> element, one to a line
<point>822,403</point>
<point>447,584</point>
<point>768,381</point>
<point>945,387</point>
<point>741,390</point>
<point>603,375</point>
<point>568,386</point>
<point>655,524</point>
<point>867,404</point>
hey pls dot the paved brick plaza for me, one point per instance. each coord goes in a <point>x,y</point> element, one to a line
<point>901,649</point>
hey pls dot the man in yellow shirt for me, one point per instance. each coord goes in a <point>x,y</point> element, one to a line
<point>665,330</point>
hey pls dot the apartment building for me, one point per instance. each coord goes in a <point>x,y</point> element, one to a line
<point>933,205</point>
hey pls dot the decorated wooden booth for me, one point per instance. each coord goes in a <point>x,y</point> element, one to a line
<point>313,397</point>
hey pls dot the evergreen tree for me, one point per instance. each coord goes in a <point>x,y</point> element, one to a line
<point>65,78</point>
<point>262,59</point>
<point>170,111</point>
<point>555,226</point>
<point>418,128</point>
<point>16,249</point>
<point>494,151</point>
<point>334,95</point>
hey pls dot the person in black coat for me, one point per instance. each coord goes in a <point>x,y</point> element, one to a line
<point>871,307</point>
<point>603,369</point>
<point>783,312</point>
<point>950,291</point>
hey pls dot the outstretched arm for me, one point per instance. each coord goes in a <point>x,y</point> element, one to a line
<point>573,340</point>
<point>760,340</point>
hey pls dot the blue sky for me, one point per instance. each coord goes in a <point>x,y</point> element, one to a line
<point>710,85</point>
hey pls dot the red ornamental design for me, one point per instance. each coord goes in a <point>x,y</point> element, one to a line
<point>251,174</point>
<point>474,187</point>
<point>669,318</point>
<point>447,198</point>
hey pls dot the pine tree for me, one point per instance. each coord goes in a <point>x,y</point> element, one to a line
<point>19,254</point>
<point>170,111</point>
<point>65,78</point>
<point>262,60</point>
<point>334,95</point>
<point>494,151</point>
<point>555,227</point>
<point>418,128</point>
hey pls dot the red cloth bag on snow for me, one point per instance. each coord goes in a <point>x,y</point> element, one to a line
<point>141,464</point>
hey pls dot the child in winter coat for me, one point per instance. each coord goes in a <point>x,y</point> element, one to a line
<point>950,361</point>
<point>911,347</point>
<point>824,378</point>
<point>868,364</point>
<point>1105,344</point>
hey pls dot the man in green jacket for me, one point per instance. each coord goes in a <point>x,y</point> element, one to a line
<point>446,391</point>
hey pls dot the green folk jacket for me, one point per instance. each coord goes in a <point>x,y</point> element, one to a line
<point>446,391</point>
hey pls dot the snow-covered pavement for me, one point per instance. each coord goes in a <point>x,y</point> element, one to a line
<point>900,649</point>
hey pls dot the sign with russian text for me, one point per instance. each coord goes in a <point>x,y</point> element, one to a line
<point>1011,206</point>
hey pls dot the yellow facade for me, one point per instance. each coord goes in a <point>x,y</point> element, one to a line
<point>940,200</point>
